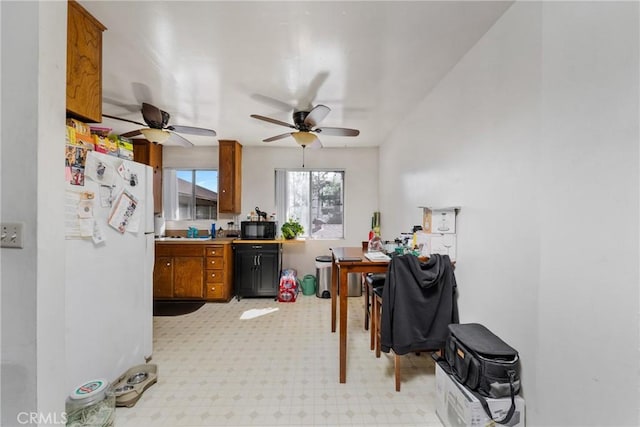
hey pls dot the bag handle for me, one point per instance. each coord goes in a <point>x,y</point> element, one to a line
<point>512,409</point>
<point>466,361</point>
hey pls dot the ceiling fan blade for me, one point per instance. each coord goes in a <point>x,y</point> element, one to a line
<point>338,131</point>
<point>306,101</point>
<point>132,133</point>
<point>192,130</point>
<point>141,92</point>
<point>123,120</point>
<point>316,115</point>
<point>274,121</point>
<point>179,140</point>
<point>152,115</point>
<point>280,105</point>
<point>277,137</point>
<point>132,108</point>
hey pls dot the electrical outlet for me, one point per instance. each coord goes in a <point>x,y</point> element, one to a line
<point>11,234</point>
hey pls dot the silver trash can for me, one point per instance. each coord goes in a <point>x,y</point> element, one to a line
<point>323,276</point>
<point>354,284</point>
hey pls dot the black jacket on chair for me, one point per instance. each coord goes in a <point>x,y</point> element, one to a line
<point>418,303</point>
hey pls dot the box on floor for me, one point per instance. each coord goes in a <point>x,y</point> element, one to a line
<point>457,407</point>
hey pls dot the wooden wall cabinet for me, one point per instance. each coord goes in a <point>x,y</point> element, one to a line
<point>84,64</point>
<point>229,176</point>
<point>150,154</point>
<point>178,272</point>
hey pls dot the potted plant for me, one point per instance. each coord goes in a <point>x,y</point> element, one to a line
<point>291,229</point>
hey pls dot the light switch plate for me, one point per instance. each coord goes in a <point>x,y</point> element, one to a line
<point>11,234</point>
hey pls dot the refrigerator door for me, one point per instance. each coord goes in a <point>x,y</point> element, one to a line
<point>109,307</point>
<point>149,225</point>
<point>149,261</point>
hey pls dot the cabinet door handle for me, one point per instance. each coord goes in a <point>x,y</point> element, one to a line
<point>168,264</point>
<point>260,259</point>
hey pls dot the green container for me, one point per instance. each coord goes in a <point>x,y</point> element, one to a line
<point>309,284</point>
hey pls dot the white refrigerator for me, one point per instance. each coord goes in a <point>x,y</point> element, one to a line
<point>109,253</point>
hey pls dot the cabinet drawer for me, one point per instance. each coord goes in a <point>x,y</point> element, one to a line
<point>163,250</point>
<point>215,291</point>
<point>215,250</point>
<point>214,276</point>
<point>171,249</point>
<point>215,263</point>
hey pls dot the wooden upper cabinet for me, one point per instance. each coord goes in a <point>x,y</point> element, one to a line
<point>229,176</point>
<point>84,64</point>
<point>150,154</point>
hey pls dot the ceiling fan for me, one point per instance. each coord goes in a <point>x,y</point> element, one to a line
<point>305,125</point>
<point>157,128</point>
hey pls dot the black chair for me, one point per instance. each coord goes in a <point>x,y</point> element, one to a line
<point>371,282</point>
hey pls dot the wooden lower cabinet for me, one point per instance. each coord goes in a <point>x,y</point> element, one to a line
<point>193,272</point>
<point>178,272</point>
<point>187,277</point>
<point>163,277</point>
<point>219,273</point>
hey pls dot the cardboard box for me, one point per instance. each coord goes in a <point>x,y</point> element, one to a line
<point>125,147</point>
<point>457,407</point>
<point>105,145</point>
<point>80,127</point>
<point>439,220</point>
<point>443,244</point>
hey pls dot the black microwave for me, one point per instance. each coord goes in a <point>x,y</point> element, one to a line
<point>258,230</point>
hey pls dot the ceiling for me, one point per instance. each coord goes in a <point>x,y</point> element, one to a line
<point>213,64</point>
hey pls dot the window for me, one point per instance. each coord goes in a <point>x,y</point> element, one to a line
<point>315,198</point>
<point>190,194</point>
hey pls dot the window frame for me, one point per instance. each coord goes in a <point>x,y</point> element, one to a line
<point>281,187</point>
<point>193,202</point>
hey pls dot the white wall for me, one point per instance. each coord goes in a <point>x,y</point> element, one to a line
<point>589,281</point>
<point>534,134</point>
<point>32,182</point>
<point>258,189</point>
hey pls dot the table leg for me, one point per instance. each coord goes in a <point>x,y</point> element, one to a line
<point>371,298</point>
<point>344,290</point>
<point>334,293</point>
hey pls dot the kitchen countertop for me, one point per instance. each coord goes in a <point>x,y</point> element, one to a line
<point>221,241</point>
<point>195,240</point>
<point>283,241</point>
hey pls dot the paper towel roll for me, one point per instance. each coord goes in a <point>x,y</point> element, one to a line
<point>159,226</point>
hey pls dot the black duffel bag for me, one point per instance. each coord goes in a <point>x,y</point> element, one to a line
<point>484,363</point>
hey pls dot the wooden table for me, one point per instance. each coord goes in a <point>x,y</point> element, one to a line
<point>341,264</point>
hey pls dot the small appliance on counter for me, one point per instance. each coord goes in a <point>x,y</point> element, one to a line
<point>258,230</point>
<point>232,230</point>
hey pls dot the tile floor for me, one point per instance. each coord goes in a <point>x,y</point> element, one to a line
<point>278,369</point>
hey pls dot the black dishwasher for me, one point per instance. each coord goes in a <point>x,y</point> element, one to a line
<point>257,268</point>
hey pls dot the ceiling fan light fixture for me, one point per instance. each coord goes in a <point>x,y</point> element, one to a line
<point>304,138</point>
<point>158,136</point>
